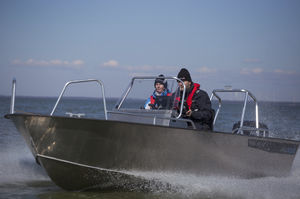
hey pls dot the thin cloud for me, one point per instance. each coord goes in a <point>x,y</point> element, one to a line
<point>111,63</point>
<point>257,70</point>
<point>284,72</point>
<point>55,62</point>
<point>78,62</point>
<point>249,71</point>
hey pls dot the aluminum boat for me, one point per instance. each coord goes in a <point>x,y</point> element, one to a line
<point>80,153</point>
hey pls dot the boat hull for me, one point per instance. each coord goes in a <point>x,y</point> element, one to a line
<point>78,177</point>
<point>73,151</point>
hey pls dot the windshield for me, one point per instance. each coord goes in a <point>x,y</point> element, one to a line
<point>144,93</point>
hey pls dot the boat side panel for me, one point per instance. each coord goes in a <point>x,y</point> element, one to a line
<point>127,146</point>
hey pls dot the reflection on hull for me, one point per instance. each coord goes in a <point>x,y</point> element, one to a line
<point>85,153</point>
<point>84,177</point>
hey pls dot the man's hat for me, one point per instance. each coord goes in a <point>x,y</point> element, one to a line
<point>161,79</point>
<point>184,75</point>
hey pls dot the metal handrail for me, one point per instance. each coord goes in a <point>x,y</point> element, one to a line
<point>152,77</point>
<point>82,81</point>
<point>220,104</point>
<point>247,93</point>
<point>13,96</point>
<point>155,117</point>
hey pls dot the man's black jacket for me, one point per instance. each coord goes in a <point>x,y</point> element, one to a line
<point>202,113</point>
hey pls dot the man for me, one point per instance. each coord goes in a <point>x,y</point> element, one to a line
<point>197,105</point>
<point>156,100</point>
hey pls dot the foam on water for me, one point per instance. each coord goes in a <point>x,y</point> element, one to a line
<point>18,164</point>
<point>193,186</point>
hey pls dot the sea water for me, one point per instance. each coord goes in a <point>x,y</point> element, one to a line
<point>21,177</point>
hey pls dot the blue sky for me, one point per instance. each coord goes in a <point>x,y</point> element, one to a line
<point>246,44</point>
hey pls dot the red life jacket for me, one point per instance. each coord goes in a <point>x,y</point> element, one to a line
<point>152,99</point>
<point>190,97</point>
